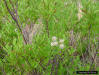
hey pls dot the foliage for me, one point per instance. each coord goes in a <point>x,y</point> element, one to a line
<point>61,17</point>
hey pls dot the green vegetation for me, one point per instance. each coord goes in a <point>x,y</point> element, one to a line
<point>60,21</point>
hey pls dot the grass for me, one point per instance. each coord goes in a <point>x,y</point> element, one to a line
<point>59,18</point>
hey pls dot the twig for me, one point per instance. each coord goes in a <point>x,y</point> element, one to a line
<point>47,29</point>
<point>15,19</point>
<point>89,38</point>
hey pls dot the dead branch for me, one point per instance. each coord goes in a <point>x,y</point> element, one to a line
<point>14,18</point>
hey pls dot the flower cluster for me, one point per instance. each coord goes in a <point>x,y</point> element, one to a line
<point>55,42</point>
<point>61,41</point>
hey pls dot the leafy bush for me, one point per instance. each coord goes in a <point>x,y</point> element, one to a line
<point>44,57</point>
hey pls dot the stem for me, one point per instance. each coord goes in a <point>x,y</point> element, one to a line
<point>15,19</point>
<point>47,29</point>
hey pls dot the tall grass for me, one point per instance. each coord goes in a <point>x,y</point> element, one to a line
<point>59,18</point>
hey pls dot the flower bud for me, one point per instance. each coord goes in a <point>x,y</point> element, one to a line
<point>54,43</point>
<point>54,38</point>
<point>61,46</point>
<point>61,41</point>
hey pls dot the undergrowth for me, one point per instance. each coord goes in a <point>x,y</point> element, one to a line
<point>60,21</point>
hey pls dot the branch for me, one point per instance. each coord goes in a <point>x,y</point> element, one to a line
<point>14,18</point>
<point>11,13</point>
<point>47,28</point>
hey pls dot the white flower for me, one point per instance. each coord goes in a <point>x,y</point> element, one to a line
<point>61,40</point>
<point>54,38</point>
<point>16,30</point>
<point>61,46</point>
<point>54,43</point>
